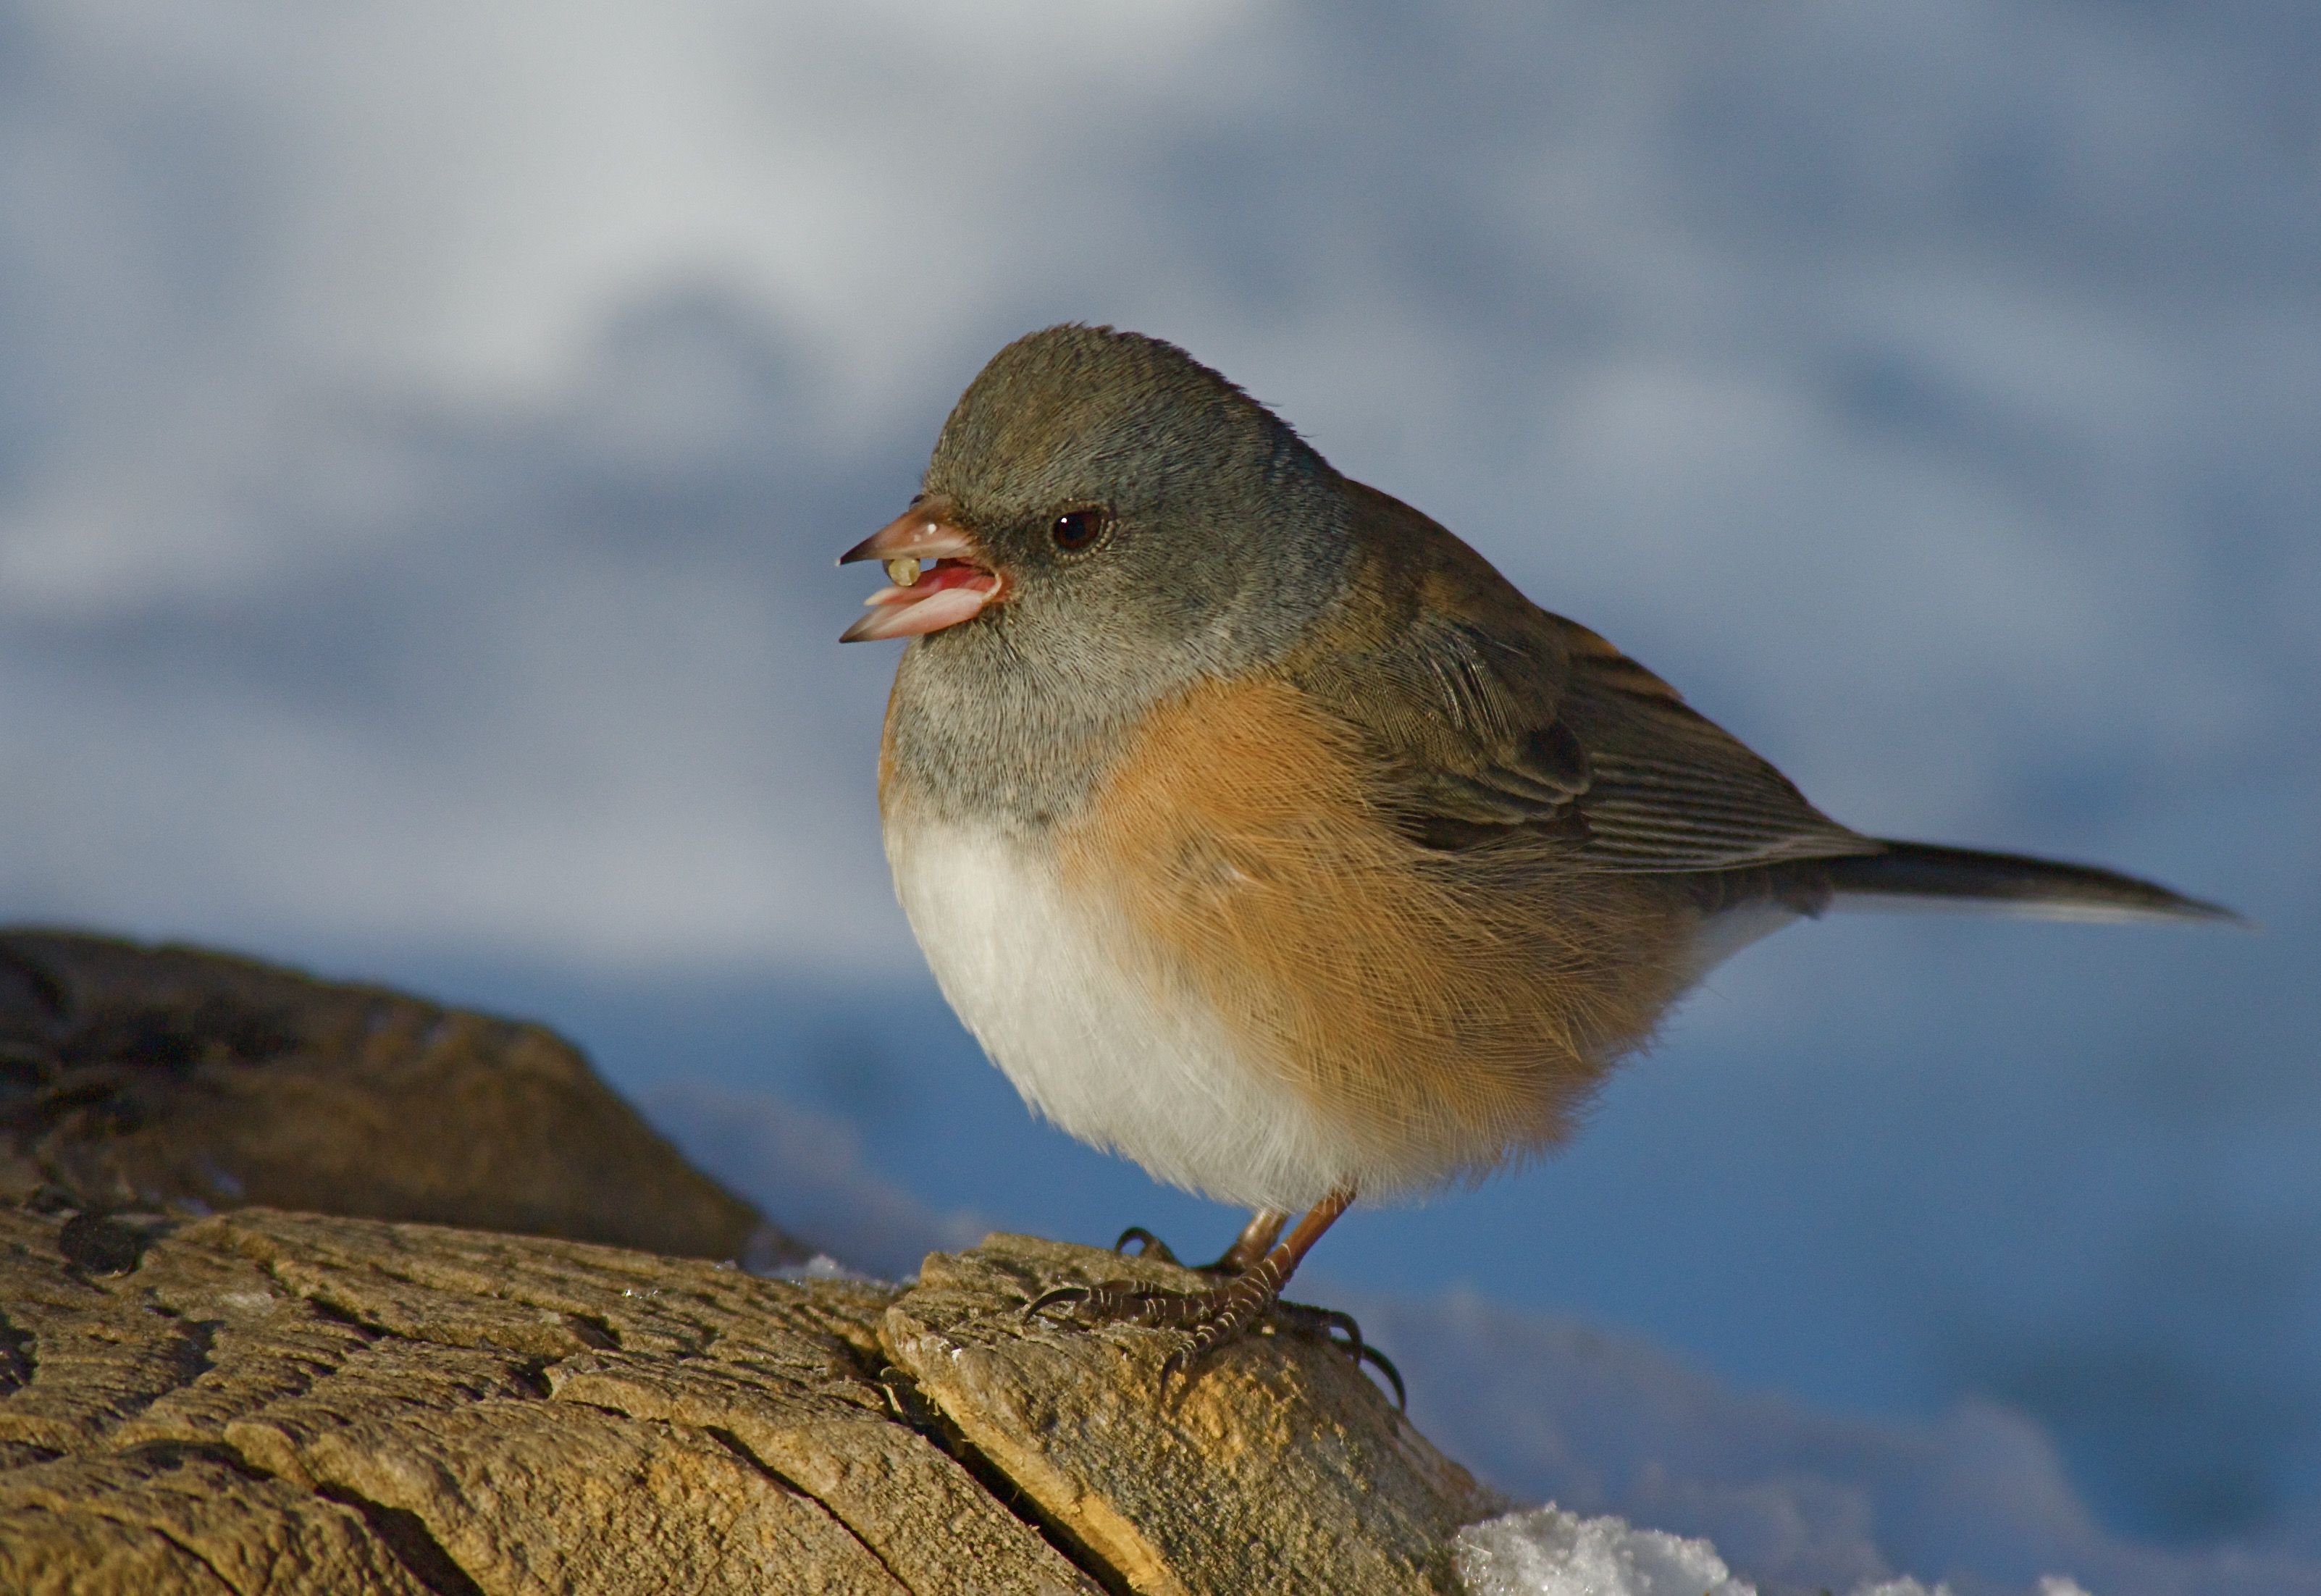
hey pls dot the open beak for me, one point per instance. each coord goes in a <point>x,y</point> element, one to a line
<point>913,601</point>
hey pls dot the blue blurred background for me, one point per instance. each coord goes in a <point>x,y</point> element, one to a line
<point>425,429</point>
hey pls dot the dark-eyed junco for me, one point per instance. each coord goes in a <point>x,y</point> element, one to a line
<point>1263,833</point>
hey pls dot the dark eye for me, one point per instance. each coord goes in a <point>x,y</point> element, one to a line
<point>1075,530</point>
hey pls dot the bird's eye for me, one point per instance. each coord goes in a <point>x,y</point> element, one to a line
<point>1075,530</point>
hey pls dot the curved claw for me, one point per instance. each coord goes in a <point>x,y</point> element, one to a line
<point>1075,1295</point>
<point>1198,1344</point>
<point>1367,1354</point>
<point>1151,1246</point>
<point>1322,1321</point>
<point>1116,1302</point>
<point>1179,1361</point>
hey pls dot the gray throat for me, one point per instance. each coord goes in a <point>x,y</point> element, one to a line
<point>1012,719</point>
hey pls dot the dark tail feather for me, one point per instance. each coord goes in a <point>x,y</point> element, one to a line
<point>1921,875</point>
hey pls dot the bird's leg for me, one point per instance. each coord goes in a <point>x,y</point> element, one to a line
<point>1256,1237</point>
<point>1235,1303</point>
<point>1226,1311</point>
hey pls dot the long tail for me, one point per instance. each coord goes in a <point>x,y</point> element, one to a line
<point>1922,875</point>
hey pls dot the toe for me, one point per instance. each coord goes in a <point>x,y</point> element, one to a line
<point>1075,1295</point>
<point>1149,1245</point>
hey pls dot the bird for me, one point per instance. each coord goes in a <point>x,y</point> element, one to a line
<point>1262,832</point>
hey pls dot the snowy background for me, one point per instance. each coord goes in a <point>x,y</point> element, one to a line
<point>425,428</point>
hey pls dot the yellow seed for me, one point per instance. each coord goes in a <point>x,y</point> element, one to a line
<point>902,573</point>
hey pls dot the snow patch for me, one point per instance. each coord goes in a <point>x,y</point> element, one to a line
<point>1548,1552</point>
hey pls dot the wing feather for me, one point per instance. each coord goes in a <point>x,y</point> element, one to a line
<point>1490,719</point>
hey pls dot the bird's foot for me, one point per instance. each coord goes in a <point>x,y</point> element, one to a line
<point>1257,1238</point>
<point>1211,1319</point>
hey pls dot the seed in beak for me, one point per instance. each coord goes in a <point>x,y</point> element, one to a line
<point>902,573</point>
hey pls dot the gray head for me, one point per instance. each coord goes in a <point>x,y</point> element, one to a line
<point>1145,517</point>
<point>1112,522</point>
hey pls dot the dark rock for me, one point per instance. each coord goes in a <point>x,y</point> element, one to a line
<point>176,1080</point>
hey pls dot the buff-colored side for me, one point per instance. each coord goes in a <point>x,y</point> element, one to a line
<point>1432,1013</point>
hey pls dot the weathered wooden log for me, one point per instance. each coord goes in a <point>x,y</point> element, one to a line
<point>264,1401</point>
<point>331,1402</point>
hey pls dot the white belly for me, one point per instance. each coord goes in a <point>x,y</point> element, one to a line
<point>1092,1045</point>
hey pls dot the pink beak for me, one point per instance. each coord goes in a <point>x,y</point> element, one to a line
<point>955,590</point>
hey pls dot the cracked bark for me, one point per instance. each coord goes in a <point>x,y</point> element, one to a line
<point>439,1412</point>
<point>263,1400</point>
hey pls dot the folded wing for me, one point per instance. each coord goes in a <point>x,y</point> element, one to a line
<point>1493,724</point>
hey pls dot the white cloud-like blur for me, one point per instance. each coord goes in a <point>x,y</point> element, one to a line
<point>1891,372</point>
<point>424,431</point>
